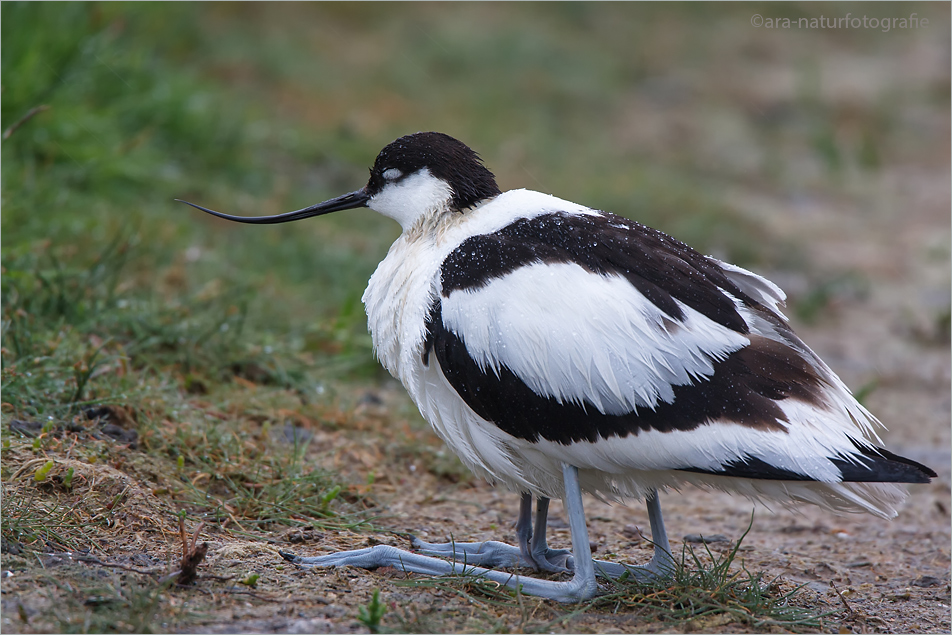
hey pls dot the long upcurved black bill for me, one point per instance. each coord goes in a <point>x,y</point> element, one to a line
<point>347,201</point>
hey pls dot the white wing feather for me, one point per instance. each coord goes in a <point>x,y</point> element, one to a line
<point>574,335</point>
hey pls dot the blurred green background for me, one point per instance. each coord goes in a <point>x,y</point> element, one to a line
<point>655,111</point>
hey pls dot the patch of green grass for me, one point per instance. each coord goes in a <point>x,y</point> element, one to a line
<point>31,521</point>
<point>704,586</point>
<point>71,337</point>
<point>95,268</point>
<point>371,614</point>
<point>258,489</point>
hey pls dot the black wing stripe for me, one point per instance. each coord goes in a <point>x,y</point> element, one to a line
<point>744,389</point>
<point>661,268</point>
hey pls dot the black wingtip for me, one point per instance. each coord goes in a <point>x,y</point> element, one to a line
<point>889,464</point>
<point>875,465</point>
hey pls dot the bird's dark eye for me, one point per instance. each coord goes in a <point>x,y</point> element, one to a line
<point>392,174</point>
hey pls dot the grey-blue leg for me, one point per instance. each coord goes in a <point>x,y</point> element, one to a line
<point>531,552</point>
<point>524,527</point>
<point>661,564</point>
<point>581,587</point>
<point>555,560</point>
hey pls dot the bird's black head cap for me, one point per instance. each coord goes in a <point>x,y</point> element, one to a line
<point>445,157</point>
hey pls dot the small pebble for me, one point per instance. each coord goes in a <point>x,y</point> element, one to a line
<point>30,429</point>
<point>121,435</point>
<point>926,581</point>
<point>633,532</point>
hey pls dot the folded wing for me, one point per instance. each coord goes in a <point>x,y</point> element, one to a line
<point>623,349</point>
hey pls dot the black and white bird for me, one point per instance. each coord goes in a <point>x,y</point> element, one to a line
<point>558,349</point>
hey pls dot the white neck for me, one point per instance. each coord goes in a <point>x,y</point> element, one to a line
<point>420,194</point>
